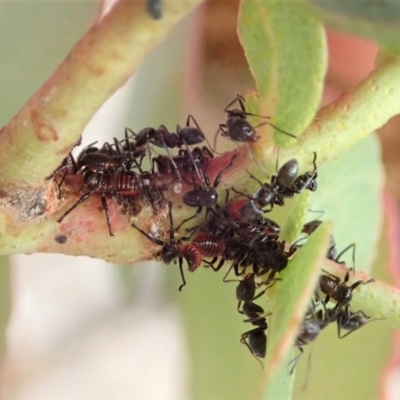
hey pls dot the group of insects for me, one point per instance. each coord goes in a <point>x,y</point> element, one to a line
<point>236,230</point>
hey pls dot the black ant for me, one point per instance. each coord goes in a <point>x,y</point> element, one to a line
<point>331,286</point>
<point>183,161</point>
<point>350,321</point>
<point>255,339</point>
<point>347,320</point>
<point>285,184</point>
<point>246,291</point>
<point>237,128</point>
<point>306,181</point>
<point>174,249</point>
<point>204,195</point>
<point>311,326</point>
<point>162,137</point>
<point>244,209</point>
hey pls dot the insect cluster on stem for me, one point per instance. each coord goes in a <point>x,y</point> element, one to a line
<point>235,230</point>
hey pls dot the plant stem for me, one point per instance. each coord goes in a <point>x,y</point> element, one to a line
<point>341,124</point>
<point>36,140</point>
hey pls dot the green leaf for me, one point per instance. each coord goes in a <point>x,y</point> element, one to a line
<point>374,19</point>
<point>286,50</point>
<point>297,217</point>
<point>290,298</point>
<point>282,382</point>
<point>359,377</point>
<point>350,194</point>
<point>221,367</point>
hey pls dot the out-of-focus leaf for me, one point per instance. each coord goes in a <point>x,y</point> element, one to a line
<point>286,50</point>
<point>349,192</point>
<point>281,385</point>
<point>221,367</point>
<point>390,243</point>
<point>290,298</point>
<point>27,60</point>
<point>375,19</point>
<point>357,361</point>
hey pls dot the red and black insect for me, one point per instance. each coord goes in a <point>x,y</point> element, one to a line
<point>338,291</point>
<point>175,249</point>
<point>127,184</point>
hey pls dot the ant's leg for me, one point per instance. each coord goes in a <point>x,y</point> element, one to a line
<point>105,206</point>
<point>296,359</point>
<point>244,341</point>
<point>177,173</point>
<point>154,240</point>
<point>153,163</point>
<point>80,201</point>
<point>171,223</point>
<point>182,275</point>
<point>227,193</point>
<point>358,283</point>
<point>189,153</point>
<point>207,152</point>
<point>239,99</point>
<point>320,212</point>
<point>274,280</point>
<point>274,126</point>
<point>192,231</point>
<point>255,178</point>
<point>190,117</point>
<point>241,193</point>
<point>219,176</point>
<point>219,266</point>
<point>235,267</point>
<point>335,278</point>
<point>130,131</point>
<point>351,246</point>
<point>61,183</point>
<point>315,161</point>
<point>138,164</point>
<point>199,210</point>
<point>224,132</point>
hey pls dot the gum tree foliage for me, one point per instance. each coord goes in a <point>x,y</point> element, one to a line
<point>285,46</point>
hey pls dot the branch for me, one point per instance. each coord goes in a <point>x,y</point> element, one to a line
<point>345,121</point>
<point>36,140</point>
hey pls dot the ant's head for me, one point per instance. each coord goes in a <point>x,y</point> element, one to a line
<point>310,181</point>
<point>344,294</point>
<point>169,252</point>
